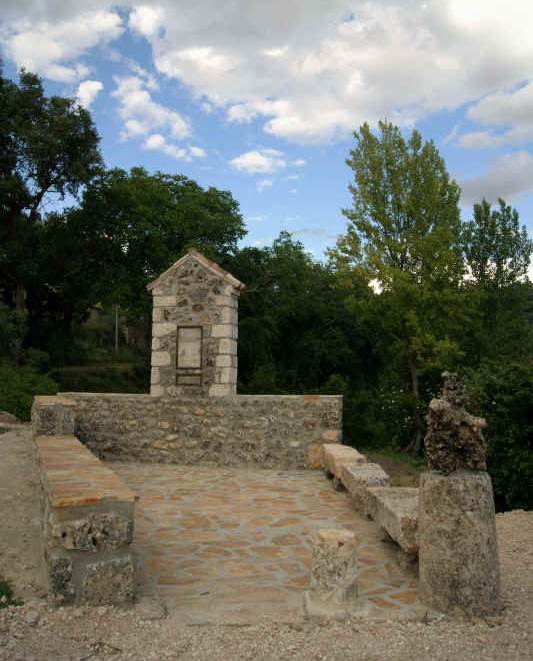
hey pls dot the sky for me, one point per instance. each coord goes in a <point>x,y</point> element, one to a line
<point>262,97</point>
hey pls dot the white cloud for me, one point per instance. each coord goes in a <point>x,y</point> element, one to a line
<point>52,48</point>
<point>141,114</point>
<point>512,110</point>
<point>264,183</point>
<point>157,142</point>
<point>309,70</point>
<point>263,161</point>
<point>88,91</point>
<point>508,176</point>
<point>147,20</point>
<point>312,70</point>
<point>480,140</point>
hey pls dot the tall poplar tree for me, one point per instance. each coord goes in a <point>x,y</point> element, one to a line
<point>403,237</point>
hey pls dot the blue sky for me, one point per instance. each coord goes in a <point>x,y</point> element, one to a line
<point>261,98</point>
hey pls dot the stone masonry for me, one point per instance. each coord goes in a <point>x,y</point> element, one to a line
<point>87,525</point>
<point>194,331</point>
<point>267,431</point>
<point>458,552</point>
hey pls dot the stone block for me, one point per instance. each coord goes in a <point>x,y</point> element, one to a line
<point>225,360</point>
<point>227,345</point>
<point>160,358</point>
<point>333,584</point>
<point>313,455</point>
<point>228,315</point>
<point>94,533</point>
<point>155,375</point>
<point>395,509</point>
<point>53,416</point>
<point>222,390</point>
<point>108,582</point>
<point>334,456</point>
<point>164,301</point>
<point>332,436</point>
<point>61,588</point>
<point>161,329</point>
<point>458,557</point>
<point>357,478</point>
<point>222,330</point>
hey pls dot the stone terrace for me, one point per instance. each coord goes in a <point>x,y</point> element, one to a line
<point>235,545</point>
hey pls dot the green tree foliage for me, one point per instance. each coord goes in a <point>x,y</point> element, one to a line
<point>497,252</point>
<point>404,238</point>
<point>130,227</point>
<point>497,249</point>
<point>48,149</point>
<point>293,329</point>
<point>502,392</point>
<point>19,385</point>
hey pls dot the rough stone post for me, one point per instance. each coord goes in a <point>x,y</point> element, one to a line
<point>332,590</point>
<point>458,554</point>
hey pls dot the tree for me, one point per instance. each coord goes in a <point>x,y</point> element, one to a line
<point>128,229</point>
<point>404,237</point>
<point>497,249</point>
<point>48,150</point>
<point>497,252</point>
<point>293,328</point>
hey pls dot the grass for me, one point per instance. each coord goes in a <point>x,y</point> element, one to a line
<point>6,595</point>
<point>403,470</point>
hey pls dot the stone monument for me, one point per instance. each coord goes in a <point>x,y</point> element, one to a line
<point>194,329</point>
<point>458,555</point>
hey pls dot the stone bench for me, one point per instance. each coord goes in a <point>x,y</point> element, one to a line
<point>395,509</point>
<point>358,478</point>
<point>333,456</point>
<point>87,525</point>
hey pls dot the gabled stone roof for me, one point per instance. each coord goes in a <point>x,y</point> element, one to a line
<point>206,263</point>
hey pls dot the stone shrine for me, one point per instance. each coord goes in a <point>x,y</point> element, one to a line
<point>194,329</point>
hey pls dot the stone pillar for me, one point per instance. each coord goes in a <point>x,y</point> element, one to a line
<point>53,415</point>
<point>332,590</point>
<point>194,329</point>
<point>458,555</point>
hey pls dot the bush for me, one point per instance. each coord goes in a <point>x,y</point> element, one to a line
<point>19,385</point>
<point>503,394</point>
<point>6,595</point>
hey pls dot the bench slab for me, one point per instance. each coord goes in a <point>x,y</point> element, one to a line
<point>395,509</point>
<point>357,478</point>
<point>334,456</point>
<point>87,525</point>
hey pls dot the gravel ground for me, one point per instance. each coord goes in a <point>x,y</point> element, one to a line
<point>33,632</point>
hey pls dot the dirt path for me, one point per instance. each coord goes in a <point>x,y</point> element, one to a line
<point>32,632</point>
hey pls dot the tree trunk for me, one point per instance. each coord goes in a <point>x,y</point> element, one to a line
<point>19,297</point>
<point>415,445</point>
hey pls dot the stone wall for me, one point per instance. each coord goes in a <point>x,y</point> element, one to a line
<point>266,431</point>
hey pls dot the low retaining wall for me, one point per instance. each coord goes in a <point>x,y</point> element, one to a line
<point>87,525</point>
<point>244,430</point>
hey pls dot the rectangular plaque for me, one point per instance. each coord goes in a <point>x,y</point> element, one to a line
<point>189,347</point>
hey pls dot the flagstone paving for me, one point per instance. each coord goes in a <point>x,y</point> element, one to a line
<point>235,545</point>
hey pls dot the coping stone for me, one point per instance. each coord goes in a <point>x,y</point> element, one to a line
<point>395,509</point>
<point>334,456</point>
